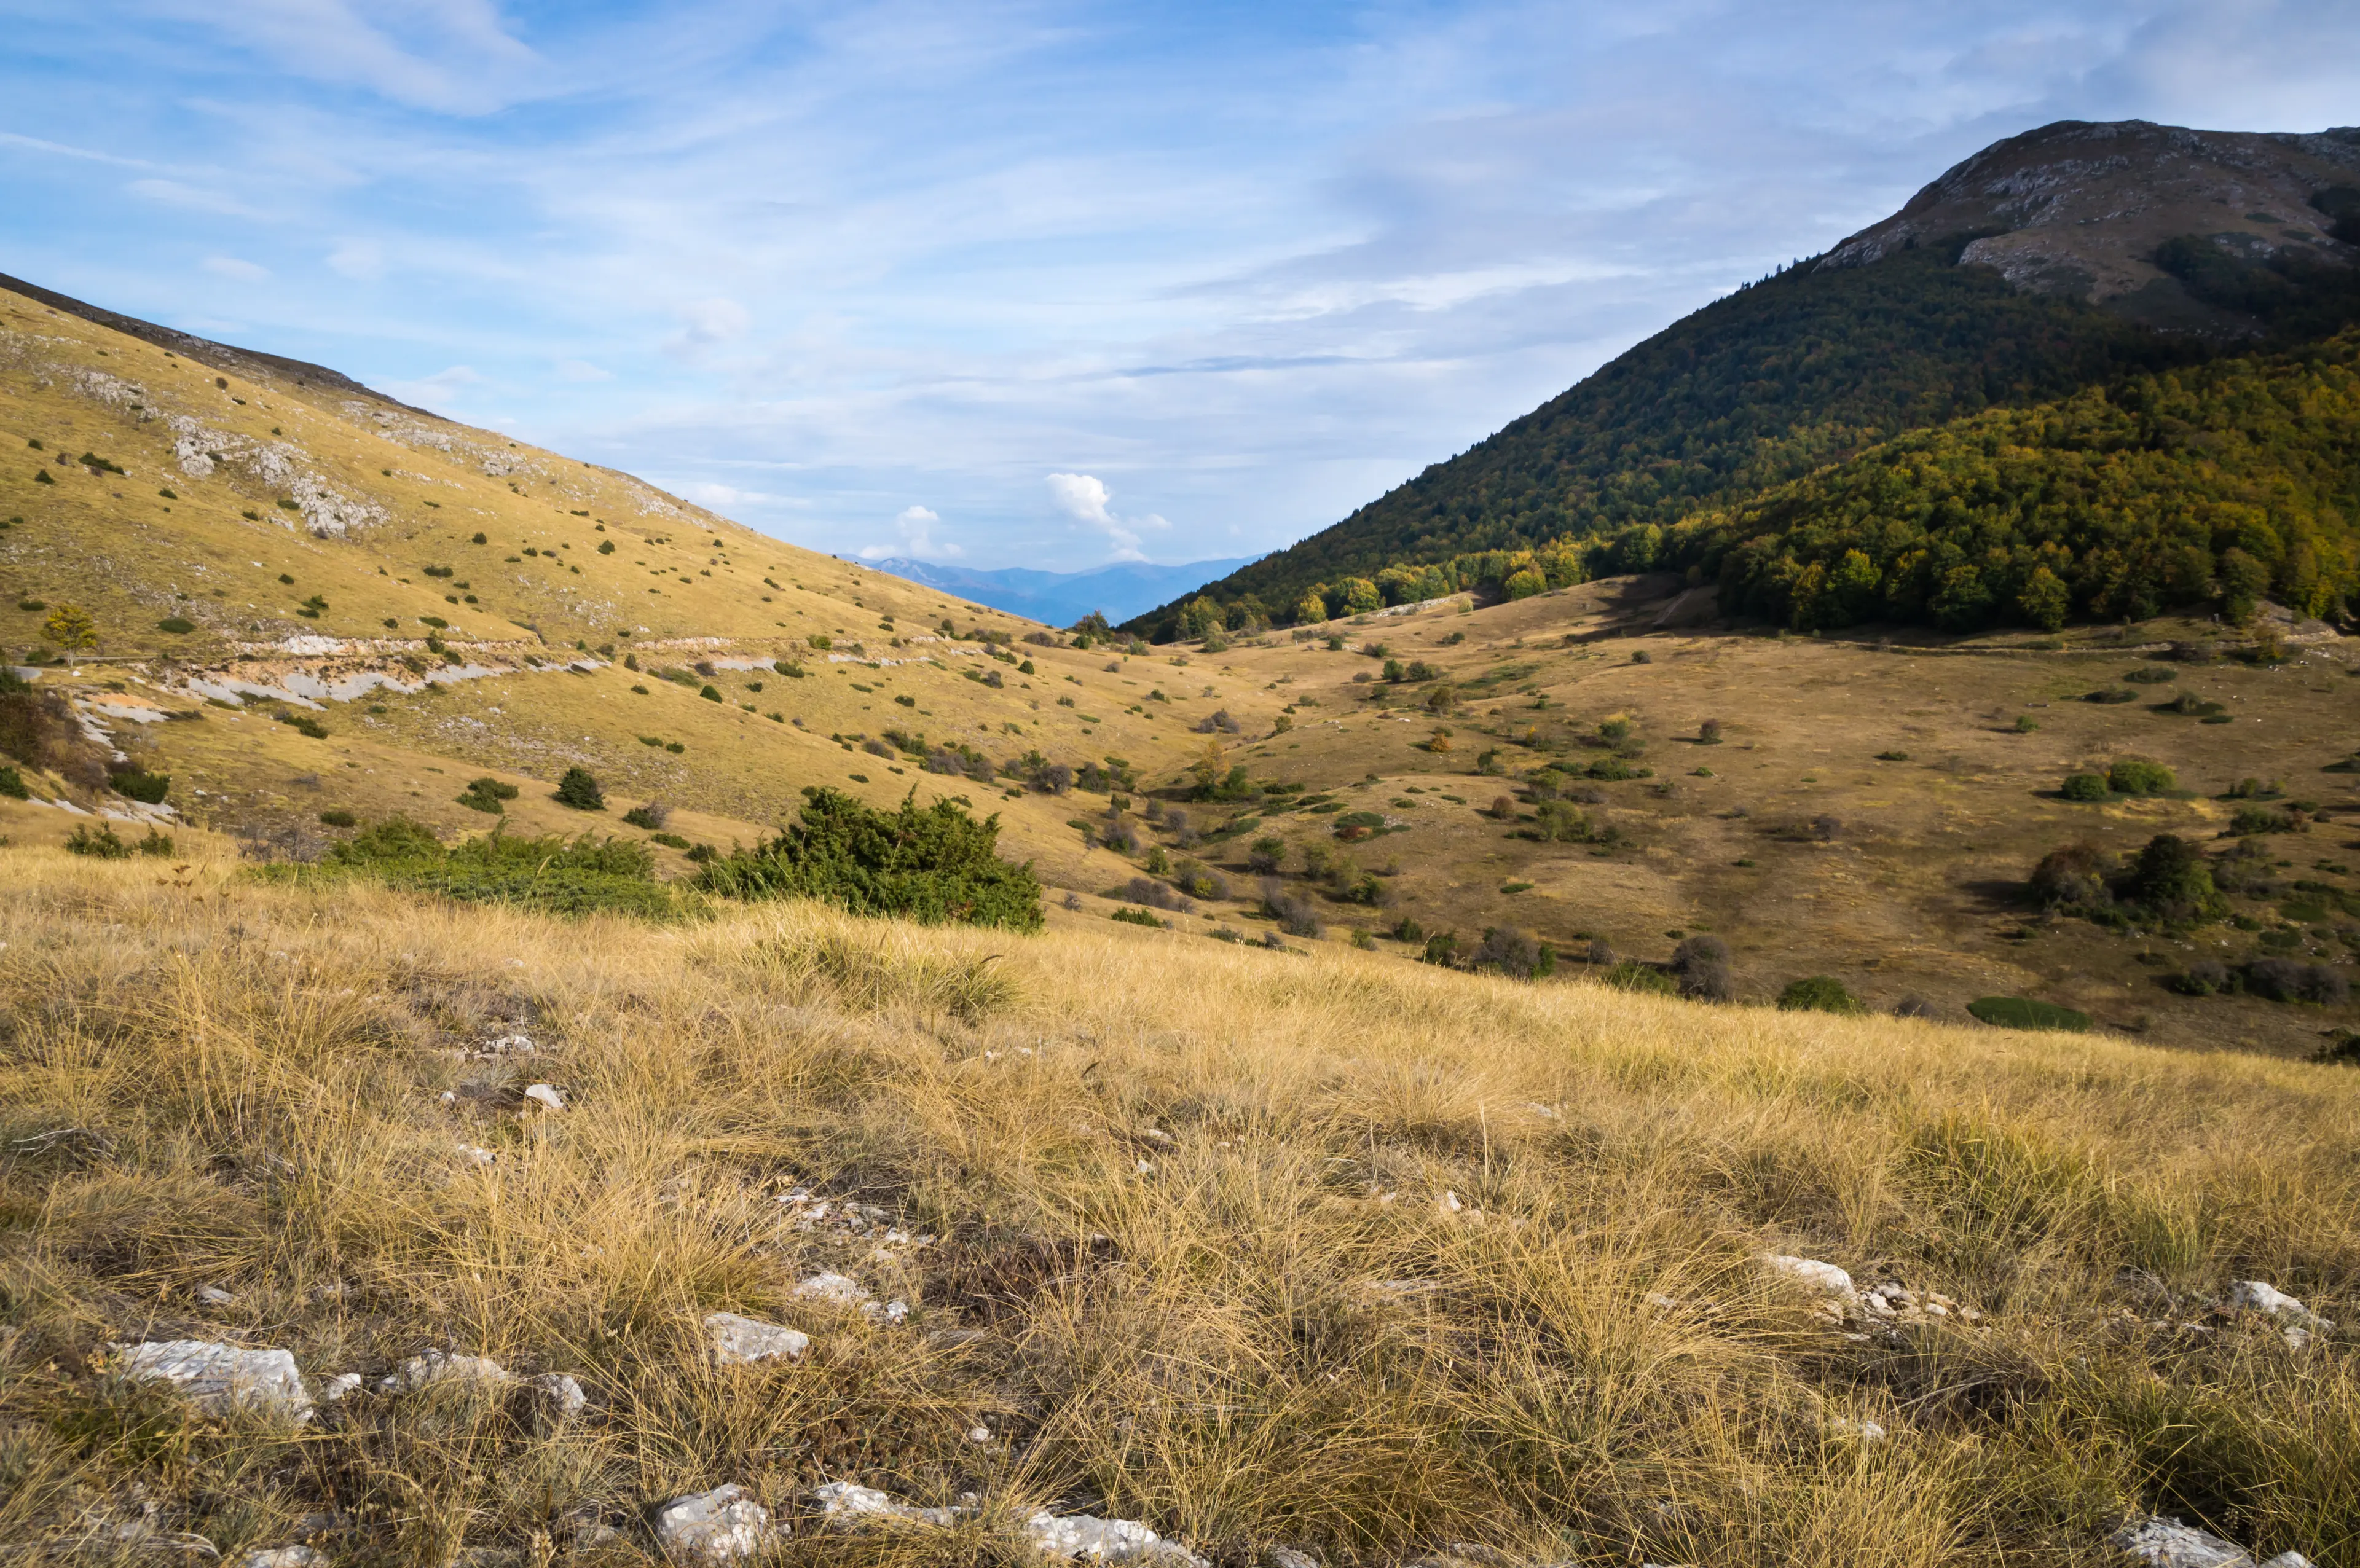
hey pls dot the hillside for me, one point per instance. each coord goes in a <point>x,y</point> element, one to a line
<point>1071,1239</point>
<point>2068,258</point>
<point>1516,786</point>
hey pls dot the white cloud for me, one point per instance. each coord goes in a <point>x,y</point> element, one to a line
<point>176,193</point>
<point>443,385</point>
<point>1085,498</point>
<point>708,324</point>
<point>582,370</point>
<point>715,496</point>
<point>915,525</point>
<point>235,267</point>
<point>450,55</point>
<point>362,261</point>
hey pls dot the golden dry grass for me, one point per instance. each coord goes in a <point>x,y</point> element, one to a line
<point>1195,1262</point>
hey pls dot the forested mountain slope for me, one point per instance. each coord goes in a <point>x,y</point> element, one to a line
<point>1898,328</point>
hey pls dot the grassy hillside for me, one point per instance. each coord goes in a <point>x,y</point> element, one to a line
<point>1364,1260</point>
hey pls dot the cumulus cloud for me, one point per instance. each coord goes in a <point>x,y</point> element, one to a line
<point>236,268</point>
<point>916,527</point>
<point>1085,498</point>
<point>440,386</point>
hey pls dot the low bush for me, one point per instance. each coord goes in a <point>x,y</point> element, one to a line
<point>1265,856</point>
<point>554,874</point>
<point>2151,676</point>
<point>338,818</point>
<point>1294,912</point>
<point>1821,994</point>
<point>1632,975</point>
<point>1700,964</point>
<point>1153,894</point>
<point>2205,977</point>
<point>652,817</point>
<point>2085,786</point>
<point>304,724</point>
<point>579,789</point>
<point>2025,1013</point>
<point>137,784</point>
<point>1137,917</point>
<point>2289,980</point>
<point>2111,695</point>
<point>1507,949</point>
<point>102,844</point>
<point>2130,776</point>
<point>12,784</point>
<point>934,864</point>
<point>486,794</point>
<point>2249,820</point>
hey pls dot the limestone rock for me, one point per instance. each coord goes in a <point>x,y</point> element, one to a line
<point>221,1376</point>
<point>562,1394</point>
<point>435,1368</point>
<point>2298,1322</point>
<point>546,1096</point>
<point>284,1557</point>
<point>2168,1544</point>
<point>724,1525</point>
<point>1094,1540</point>
<point>842,1502</point>
<point>738,1341</point>
<point>1824,1278</point>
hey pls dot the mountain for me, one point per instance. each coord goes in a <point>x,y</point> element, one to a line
<point>2074,256</point>
<point>1118,591</point>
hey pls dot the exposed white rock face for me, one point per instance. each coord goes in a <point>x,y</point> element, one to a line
<point>2168,1544</point>
<point>737,1342</point>
<point>341,1385</point>
<point>836,1289</point>
<point>1097,1540</point>
<point>435,1368</point>
<point>562,1395</point>
<point>222,1377</point>
<point>724,1525</point>
<point>545,1097</point>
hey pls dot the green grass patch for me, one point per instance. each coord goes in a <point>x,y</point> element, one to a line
<point>2024,1012</point>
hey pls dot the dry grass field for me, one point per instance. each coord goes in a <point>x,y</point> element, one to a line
<point>1362,1258</point>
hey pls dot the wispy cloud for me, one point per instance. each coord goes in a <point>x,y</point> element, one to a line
<point>237,268</point>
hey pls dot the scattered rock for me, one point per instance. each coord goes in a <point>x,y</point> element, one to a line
<point>738,1341</point>
<point>214,1296</point>
<point>437,1367</point>
<point>842,1502</point>
<point>2168,1544</point>
<point>1287,1557</point>
<point>475,1156</point>
<point>506,1045</point>
<point>1097,1539</point>
<point>342,1383</point>
<point>545,1097</point>
<point>1825,1278</point>
<point>284,1557</point>
<point>720,1525</point>
<point>221,1376</point>
<point>835,1289</point>
<point>2298,1322</point>
<point>562,1395</point>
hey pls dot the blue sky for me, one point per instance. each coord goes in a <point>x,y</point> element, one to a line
<point>1028,284</point>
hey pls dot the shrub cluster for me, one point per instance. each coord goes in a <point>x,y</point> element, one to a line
<point>936,863</point>
<point>556,875</point>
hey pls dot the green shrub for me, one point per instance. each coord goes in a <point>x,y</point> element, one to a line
<point>2085,786</point>
<point>668,840</point>
<point>582,876</point>
<point>579,789</point>
<point>2151,676</point>
<point>12,784</point>
<point>1133,917</point>
<point>934,864</point>
<point>1632,974</point>
<point>2023,1012</point>
<point>176,625</point>
<point>158,844</point>
<point>135,784</point>
<point>2249,820</point>
<point>1821,994</point>
<point>651,816</point>
<point>2171,878</point>
<point>339,818</point>
<point>304,724</point>
<point>100,845</point>
<point>710,693</point>
<point>2130,776</point>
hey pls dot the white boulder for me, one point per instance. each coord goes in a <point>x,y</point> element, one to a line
<point>844,1502</point>
<point>1094,1540</point>
<point>724,1525</point>
<point>284,1557</point>
<point>437,1367</point>
<point>2166,1543</point>
<point>221,1376</point>
<point>738,1341</point>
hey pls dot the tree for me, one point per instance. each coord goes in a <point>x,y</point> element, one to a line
<point>2044,600</point>
<point>72,628</point>
<point>1311,607</point>
<point>1360,596</point>
<point>1525,584</point>
<point>579,789</point>
<point>2244,581</point>
<point>2171,878</point>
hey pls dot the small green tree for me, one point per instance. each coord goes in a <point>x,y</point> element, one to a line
<point>579,789</point>
<point>2130,776</point>
<point>2171,878</point>
<point>2044,600</point>
<point>2244,581</point>
<point>72,628</point>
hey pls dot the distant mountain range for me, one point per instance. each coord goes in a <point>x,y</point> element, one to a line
<point>1118,591</point>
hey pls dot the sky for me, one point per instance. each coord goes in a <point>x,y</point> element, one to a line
<point>1039,283</point>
